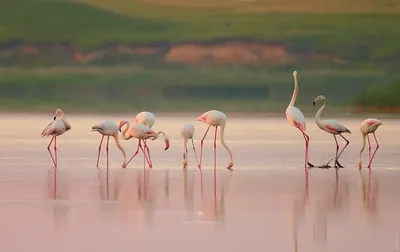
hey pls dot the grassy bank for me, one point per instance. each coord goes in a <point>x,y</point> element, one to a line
<point>178,89</point>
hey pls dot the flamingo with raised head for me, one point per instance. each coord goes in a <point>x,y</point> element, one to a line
<point>108,128</point>
<point>296,118</point>
<point>215,118</point>
<point>368,126</point>
<point>332,127</point>
<point>141,132</point>
<point>188,133</point>
<point>148,119</point>
<point>57,127</point>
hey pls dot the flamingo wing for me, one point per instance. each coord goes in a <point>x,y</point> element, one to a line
<point>334,127</point>
<point>296,118</point>
<point>45,131</point>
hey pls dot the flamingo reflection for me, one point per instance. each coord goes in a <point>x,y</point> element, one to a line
<point>299,208</point>
<point>369,194</point>
<point>60,207</point>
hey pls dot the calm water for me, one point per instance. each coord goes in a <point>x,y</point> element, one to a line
<point>263,205</point>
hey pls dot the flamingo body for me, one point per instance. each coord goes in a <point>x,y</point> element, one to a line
<point>146,118</point>
<point>215,118</point>
<point>368,126</point>
<point>332,127</point>
<point>108,128</point>
<point>56,128</point>
<point>187,133</point>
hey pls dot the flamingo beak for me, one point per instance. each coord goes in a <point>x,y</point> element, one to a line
<point>54,118</point>
<point>119,129</point>
<point>313,103</point>
<point>166,144</point>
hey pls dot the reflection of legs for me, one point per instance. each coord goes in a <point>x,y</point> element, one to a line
<point>201,145</point>
<point>195,153</point>
<point>347,143</point>
<point>98,155</point>
<point>137,151</point>
<point>377,147</point>
<point>51,155</point>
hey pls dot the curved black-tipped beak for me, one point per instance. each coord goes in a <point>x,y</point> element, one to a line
<point>54,118</point>
<point>313,103</point>
<point>119,130</point>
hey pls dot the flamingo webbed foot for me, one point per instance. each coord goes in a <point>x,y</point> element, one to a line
<point>338,165</point>
<point>230,165</point>
<point>310,165</point>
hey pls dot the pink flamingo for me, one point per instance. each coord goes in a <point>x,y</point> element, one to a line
<point>108,128</point>
<point>332,127</point>
<point>56,128</point>
<point>296,118</point>
<point>188,133</point>
<point>141,132</point>
<point>148,119</point>
<point>367,127</point>
<point>215,118</point>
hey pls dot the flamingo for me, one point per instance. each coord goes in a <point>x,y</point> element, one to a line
<point>296,118</point>
<point>215,118</point>
<point>148,119</point>
<point>108,128</point>
<point>332,127</point>
<point>367,127</point>
<point>188,133</point>
<point>141,132</point>
<point>57,127</point>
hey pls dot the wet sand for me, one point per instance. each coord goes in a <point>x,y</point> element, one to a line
<point>262,205</point>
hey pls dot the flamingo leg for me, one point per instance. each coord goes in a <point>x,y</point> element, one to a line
<point>144,153</point>
<point>148,152</point>
<point>137,151</point>
<point>347,143</point>
<point>201,145</point>
<point>195,153</point>
<point>98,155</point>
<point>369,148</point>
<point>108,140</point>
<point>377,147</point>
<point>215,151</point>
<point>307,139</point>
<point>337,150</point>
<point>55,150</point>
<point>51,155</point>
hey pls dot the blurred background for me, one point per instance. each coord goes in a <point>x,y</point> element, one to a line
<point>187,56</point>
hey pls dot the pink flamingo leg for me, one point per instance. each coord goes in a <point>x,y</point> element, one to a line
<point>51,155</point>
<point>108,139</point>
<point>98,155</point>
<point>337,150</point>
<point>148,152</point>
<point>194,149</point>
<point>215,152</point>
<point>144,153</point>
<point>134,155</point>
<point>377,147</point>
<point>347,143</point>
<point>201,145</point>
<point>55,150</point>
<point>307,139</point>
<point>369,148</point>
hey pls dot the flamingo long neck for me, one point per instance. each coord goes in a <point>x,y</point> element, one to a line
<point>124,136</point>
<point>364,136</point>
<point>164,135</point>
<point>296,87</point>
<point>318,115</point>
<point>120,147</point>
<point>195,151</point>
<point>224,144</point>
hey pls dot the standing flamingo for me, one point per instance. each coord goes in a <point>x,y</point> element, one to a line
<point>56,128</point>
<point>367,127</point>
<point>332,127</point>
<point>215,118</point>
<point>141,132</point>
<point>148,119</point>
<point>108,128</point>
<point>296,118</point>
<point>188,133</point>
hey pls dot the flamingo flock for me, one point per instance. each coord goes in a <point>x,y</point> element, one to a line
<point>141,129</point>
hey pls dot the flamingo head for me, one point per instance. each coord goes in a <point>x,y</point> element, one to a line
<point>185,163</point>
<point>166,143</point>
<point>121,124</point>
<point>318,98</point>
<point>359,165</point>
<point>58,112</point>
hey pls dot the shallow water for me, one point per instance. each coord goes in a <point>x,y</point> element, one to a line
<point>262,205</point>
